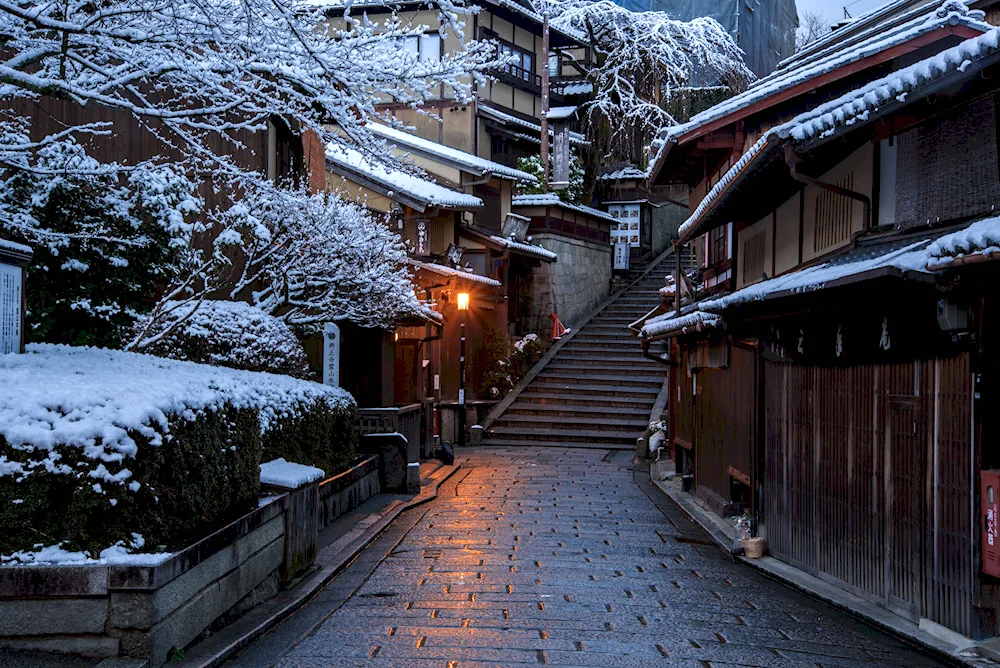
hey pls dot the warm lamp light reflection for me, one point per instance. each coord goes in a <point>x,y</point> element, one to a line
<point>463,301</point>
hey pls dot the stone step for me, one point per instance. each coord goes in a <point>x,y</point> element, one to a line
<point>575,435</point>
<point>599,423</point>
<point>577,401</point>
<point>606,368</point>
<point>591,388</point>
<point>607,380</point>
<point>505,443</point>
<point>568,410</point>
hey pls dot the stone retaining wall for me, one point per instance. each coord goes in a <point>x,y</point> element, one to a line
<point>151,612</point>
<point>577,283</point>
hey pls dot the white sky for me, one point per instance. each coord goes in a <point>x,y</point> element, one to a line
<point>834,9</point>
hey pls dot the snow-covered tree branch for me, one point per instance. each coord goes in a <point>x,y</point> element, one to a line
<point>645,63</point>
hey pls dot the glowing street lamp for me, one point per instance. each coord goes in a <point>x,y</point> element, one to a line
<point>463,306</point>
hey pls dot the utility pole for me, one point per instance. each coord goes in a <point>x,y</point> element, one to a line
<point>545,98</point>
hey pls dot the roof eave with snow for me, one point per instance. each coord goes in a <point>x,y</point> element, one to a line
<point>850,112</point>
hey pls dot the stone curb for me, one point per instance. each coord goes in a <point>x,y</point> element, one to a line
<point>512,396</point>
<point>230,640</point>
<point>825,592</point>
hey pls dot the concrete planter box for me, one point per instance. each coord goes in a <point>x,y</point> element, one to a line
<point>348,490</point>
<point>145,612</point>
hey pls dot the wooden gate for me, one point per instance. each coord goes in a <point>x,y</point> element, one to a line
<point>868,481</point>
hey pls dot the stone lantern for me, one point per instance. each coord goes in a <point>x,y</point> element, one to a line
<point>14,258</point>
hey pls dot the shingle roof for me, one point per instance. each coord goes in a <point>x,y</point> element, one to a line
<point>393,181</point>
<point>456,273</point>
<point>476,165</point>
<point>507,119</point>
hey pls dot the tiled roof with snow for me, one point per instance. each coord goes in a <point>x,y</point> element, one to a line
<point>854,108</point>
<point>982,238</point>
<point>898,258</point>
<point>480,166</point>
<point>629,172</point>
<point>507,119</point>
<point>573,87</point>
<point>518,8</point>
<point>457,273</point>
<point>549,199</point>
<point>878,41</point>
<point>668,323</point>
<point>559,113</point>
<point>15,247</point>
<point>527,249</point>
<point>394,181</point>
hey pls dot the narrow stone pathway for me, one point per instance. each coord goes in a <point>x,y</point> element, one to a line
<point>598,390</point>
<point>565,557</point>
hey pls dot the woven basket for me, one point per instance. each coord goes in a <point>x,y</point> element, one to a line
<point>753,547</point>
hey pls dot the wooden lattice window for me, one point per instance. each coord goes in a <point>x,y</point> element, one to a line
<point>719,247</point>
<point>753,256</point>
<point>834,213</point>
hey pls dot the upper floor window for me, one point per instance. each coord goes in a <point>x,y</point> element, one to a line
<point>718,247</point>
<point>427,47</point>
<point>521,67</point>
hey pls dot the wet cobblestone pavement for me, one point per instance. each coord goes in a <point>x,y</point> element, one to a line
<point>562,557</point>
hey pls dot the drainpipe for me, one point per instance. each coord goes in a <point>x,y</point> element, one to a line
<point>791,159</point>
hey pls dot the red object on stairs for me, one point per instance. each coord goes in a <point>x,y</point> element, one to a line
<point>558,329</point>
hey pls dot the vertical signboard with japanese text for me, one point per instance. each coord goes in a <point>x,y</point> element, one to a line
<point>331,354</point>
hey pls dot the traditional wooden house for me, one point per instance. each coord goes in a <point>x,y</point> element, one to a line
<point>503,123</point>
<point>834,383</point>
<point>647,220</point>
<point>460,249</point>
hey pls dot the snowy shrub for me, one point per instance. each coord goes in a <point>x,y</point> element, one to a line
<point>498,378</point>
<point>96,445</point>
<point>574,194</point>
<point>102,243</point>
<point>527,352</point>
<point>232,334</point>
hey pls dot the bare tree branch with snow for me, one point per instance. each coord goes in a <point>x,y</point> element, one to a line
<point>645,61</point>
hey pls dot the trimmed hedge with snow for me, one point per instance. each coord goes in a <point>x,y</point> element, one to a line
<point>97,445</point>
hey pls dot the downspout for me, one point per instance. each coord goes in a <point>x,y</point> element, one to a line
<point>792,160</point>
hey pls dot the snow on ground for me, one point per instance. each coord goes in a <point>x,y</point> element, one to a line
<point>283,473</point>
<point>90,398</point>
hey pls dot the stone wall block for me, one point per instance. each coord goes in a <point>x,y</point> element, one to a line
<point>66,616</point>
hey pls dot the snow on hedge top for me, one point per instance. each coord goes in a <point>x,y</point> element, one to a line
<point>90,398</point>
<point>855,107</point>
<point>549,199</point>
<point>480,165</point>
<point>980,238</point>
<point>396,181</point>
<point>282,473</point>
<point>949,13</point>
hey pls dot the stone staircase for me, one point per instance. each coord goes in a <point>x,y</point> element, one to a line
<point>598,389</point>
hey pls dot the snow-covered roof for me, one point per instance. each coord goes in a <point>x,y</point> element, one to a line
<point>857,107</point>
<point>527,249</point>
<point>559,113</point>
<point>15,247</point>
<point>894,259</point>
<point>573,87</point>
<point>507,119</point>
<point>951,14</point>
<point>548,199</point>
<point>393,181</point>
<point>518,8</point>
<point>669,324</point>
<point>473,163</point>
<point>982,238</point>
<point>457,273</point>
<point>624,173</point>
